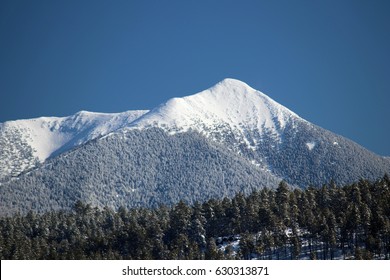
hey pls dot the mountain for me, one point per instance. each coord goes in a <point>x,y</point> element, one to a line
<point>134,168</point>
<point>268,134</point>
<point>226,139</point>
<point>26,143</point>
<point>231,105</point>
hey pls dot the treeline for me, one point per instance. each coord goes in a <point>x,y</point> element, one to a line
<point>329,222</point>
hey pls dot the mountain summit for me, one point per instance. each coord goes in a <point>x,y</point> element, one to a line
<point>230,104</point>
<point>222,140</point>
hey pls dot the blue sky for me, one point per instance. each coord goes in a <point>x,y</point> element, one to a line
<point>328,61</point>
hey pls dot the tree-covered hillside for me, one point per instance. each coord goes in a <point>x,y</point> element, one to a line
<point>134,169</point>
<point>329,222</point>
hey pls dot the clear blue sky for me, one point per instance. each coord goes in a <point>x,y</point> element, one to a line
<point>328,61</point>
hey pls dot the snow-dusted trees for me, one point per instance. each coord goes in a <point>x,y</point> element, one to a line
<point>317,223</point>
<point>137,169</point>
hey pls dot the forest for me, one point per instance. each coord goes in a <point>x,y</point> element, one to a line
<point>327,222</point>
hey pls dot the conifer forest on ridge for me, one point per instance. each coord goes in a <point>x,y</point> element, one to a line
<point>328,222</point>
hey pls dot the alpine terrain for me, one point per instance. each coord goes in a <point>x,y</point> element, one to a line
<point>227,139</point>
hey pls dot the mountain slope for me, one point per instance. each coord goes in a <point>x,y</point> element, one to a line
<point>25,143</point>
<point>226,139</point>
<point>268,134</point>
<point>134,168</point>
<point>230,106</point>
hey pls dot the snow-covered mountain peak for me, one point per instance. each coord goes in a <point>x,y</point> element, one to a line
<point>232,85</point>
<point>229,105</point>
<point>236,120</point>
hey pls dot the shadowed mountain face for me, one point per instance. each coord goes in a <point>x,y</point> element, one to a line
<point>135,168</point>
<point>268,134</point>
<point>226,139</point>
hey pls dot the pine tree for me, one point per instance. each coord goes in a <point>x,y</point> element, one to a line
<point>282,199</point>
<point>247,246</point>
<point>212,252</point>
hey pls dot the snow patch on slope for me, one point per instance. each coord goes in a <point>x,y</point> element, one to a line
<point>310,145</point>
<point>229,101</point>
<point>26,142</point>
<point>229,108</point>
<point>41,136</point>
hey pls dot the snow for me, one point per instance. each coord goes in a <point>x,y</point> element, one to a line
<point>232,242</point>
<point>41,135</point>
<point>48,136</point>
<point>230,108</point>
<point>310,145</point>
<point>229,101</point>
<point>231,105</point>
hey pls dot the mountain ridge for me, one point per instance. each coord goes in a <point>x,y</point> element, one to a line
<point>134,168</point>
<point>25,143</point>
<point>230,125</point>
<point>229,101</point>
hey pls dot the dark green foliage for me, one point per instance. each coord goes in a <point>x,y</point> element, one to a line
<point>317,223</point>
